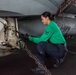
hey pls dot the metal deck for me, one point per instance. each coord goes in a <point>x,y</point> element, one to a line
<point>19,63</point>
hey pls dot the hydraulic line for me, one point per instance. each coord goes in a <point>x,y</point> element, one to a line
<point>73,1</point>
<point>72,52</point>
<point>62,7</point>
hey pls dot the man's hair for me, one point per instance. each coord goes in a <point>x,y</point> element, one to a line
<point>47,14</point>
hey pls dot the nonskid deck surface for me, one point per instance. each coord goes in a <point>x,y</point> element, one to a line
<point>19,63</point>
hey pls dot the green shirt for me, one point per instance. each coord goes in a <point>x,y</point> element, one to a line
<point>51,33</point>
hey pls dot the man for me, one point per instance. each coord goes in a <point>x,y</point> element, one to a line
<point>51,42</point>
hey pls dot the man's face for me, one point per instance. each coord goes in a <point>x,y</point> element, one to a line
<point>44,20</point>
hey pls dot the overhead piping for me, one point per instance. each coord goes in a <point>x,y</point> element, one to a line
<point>63,6</point>
<point>73,1</point>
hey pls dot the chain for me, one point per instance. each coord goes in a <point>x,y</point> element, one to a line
<point>43,67</point>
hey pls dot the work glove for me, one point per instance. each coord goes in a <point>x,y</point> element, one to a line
<point>26,36</point>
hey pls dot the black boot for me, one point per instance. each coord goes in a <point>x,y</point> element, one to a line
<point>58,62</point>
<point>38,70</point>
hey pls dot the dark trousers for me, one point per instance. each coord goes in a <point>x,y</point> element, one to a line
<point>57,51</point>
